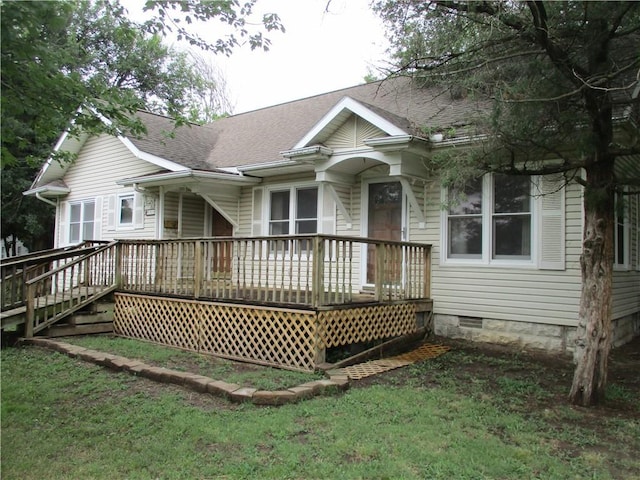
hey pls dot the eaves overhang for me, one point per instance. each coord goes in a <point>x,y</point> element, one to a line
<point>312,153</point>
<point>396,143</point>
<point>280,167</point>
<point>188,176</point>
<point>48,191</point>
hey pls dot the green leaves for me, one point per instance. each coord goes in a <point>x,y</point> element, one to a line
<point>61,57</point>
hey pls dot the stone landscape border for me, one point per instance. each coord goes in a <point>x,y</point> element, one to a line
<point>337,381</point>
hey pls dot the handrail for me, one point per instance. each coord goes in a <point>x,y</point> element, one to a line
<point>313,270</point>
<point>16,271</point>
<point>95,251</point>
<point>69,287</point>
<point>51,255</point>
<point>266,238</point>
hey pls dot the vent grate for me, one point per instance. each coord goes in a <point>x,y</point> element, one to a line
<point>470,322</point>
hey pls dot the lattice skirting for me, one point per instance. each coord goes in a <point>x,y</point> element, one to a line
<point>280,337</point>
<point>364,324</point>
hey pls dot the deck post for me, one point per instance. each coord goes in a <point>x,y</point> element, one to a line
<point>198,268</point>
<point>427,271</point>
<point>317,286</point>
<point>379,276</point>
<point>117,268</point>
<point>30,313</point>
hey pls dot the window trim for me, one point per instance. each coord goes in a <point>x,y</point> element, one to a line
<point>292,189</point>
<point>486,258</point>
<point>626,232</point>
<point>82,222</point>
<point>119,224</point>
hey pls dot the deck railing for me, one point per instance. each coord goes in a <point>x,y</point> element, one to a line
<point>313,270</point>
<point>17,271</point>
<point>70,286</point>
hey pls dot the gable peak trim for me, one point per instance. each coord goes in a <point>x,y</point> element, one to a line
<point>356,108</point>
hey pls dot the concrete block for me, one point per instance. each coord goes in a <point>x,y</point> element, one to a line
<point>274,398</point>
<point>197,382</point>
<point>302,393</point>
<point>222,389</point>
<point>242,394</point>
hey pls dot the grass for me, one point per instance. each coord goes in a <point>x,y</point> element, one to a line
<point>262,378</point>
<point>65,419</point>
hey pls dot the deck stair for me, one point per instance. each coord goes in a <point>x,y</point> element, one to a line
<point>41,290</point>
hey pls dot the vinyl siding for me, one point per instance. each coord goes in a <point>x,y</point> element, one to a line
<point>102,161</point>
<point>245,205</point>
<point>193,221</point>
<point>626,284</point>
<point>514,293</point>
<point>352,133</point>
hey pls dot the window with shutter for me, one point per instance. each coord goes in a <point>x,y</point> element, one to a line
<point>256,215</point>
<point>493,221</point>
<point>551,198</point>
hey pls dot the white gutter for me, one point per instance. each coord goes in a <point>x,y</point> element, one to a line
<point>189,174</point>
<point>315,150</point>
<point>268,166</point>
<point>46,200</point>
<point>390,141</point>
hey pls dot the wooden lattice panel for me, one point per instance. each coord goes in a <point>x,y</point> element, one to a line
<point>280,337</point>
<point>363,370</point>
<point>363,324</point>
<point>171,322</point>
<point>275,336</point>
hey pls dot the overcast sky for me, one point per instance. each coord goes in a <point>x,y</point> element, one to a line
<point>318,53</point>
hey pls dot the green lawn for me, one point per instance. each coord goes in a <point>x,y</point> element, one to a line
<point>65,419</point>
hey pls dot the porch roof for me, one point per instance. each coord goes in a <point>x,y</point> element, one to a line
<point>181,177</point>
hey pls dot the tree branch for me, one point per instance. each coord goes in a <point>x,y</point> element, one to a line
<point>558,56</point>
<point>617,21</point>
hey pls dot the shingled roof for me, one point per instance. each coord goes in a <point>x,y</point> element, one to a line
<point>259,136</point>
<point>188,145</point>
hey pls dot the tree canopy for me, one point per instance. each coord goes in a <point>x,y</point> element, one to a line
<point>549,69</point>
<point>63,59</point>
<point>561,81</point>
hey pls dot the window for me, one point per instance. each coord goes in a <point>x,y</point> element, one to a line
<point>300,216</point>
<point>622,244</point>
<point>81,221</point>
<point>465,222</point>
<point>280,213</point>
<point>125,218</point>
<point>491,219</point>
<point>307,210</point>
<point>511,222</point>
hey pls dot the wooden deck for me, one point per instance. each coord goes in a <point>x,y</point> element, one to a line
<point>281,301</point>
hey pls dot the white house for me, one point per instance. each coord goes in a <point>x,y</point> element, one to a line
<point>505,263</point>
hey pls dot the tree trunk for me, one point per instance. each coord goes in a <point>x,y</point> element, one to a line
<point>593,336</point>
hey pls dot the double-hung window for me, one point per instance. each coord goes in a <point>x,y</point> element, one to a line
<point>298,216</point>
<point>125,208</point>
<point>464,223</point>
<point>490,220</point>
<point>82,221</point>
<point>622,233</point>
<point>511,217</point>
<point>294,210</point>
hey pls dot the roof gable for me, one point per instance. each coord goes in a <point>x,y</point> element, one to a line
<point>336,123</point>
<point>352,133</point>
<point>164,145</point>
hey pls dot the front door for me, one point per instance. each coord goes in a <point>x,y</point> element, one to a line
<point>384,211</point>
<point>220,227</point>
